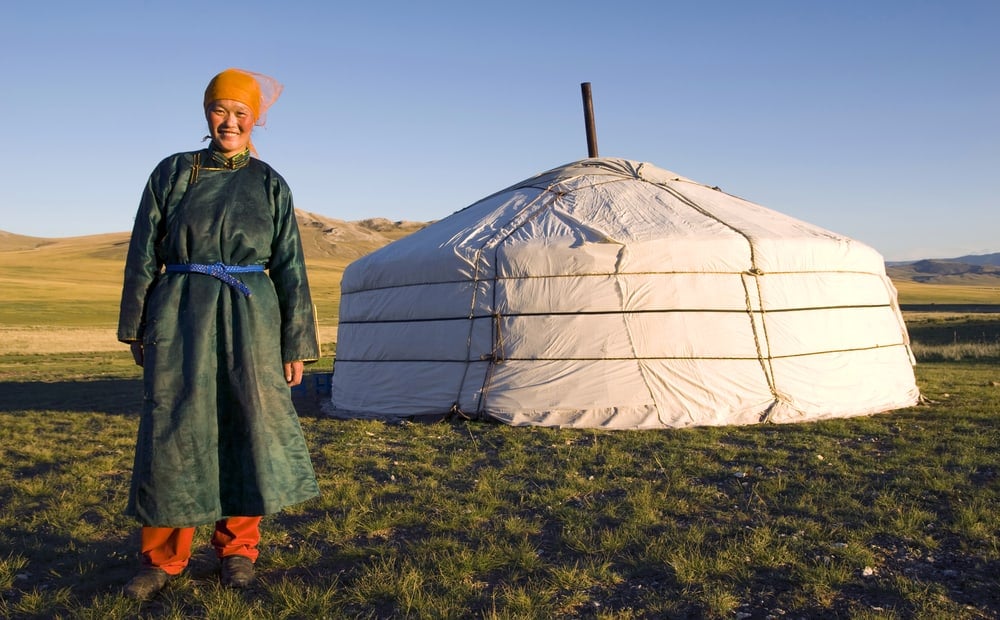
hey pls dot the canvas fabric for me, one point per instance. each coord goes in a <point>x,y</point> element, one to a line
<point>614,294</point>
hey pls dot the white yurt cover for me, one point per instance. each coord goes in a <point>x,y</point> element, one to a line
<point>614,294</point>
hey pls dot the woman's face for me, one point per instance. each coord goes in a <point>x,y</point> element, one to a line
<point>230,124</point>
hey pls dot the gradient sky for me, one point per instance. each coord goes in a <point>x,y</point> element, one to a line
<point>876,119</point>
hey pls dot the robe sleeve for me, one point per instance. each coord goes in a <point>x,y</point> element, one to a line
<point>141,263</point>
<point>287,269</point>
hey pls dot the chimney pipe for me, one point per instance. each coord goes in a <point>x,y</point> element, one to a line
<point>588,118</point>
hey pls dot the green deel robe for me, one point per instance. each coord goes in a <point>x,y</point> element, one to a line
<point>218,435</point>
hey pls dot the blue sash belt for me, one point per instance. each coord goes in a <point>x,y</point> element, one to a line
<point>220,271</point>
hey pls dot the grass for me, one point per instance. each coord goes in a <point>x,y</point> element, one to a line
<point>985,292</point>
<point>890,516</point>
<point>954,337</point>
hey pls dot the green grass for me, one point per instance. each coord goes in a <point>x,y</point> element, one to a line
<point>890,516</point>
<point>954,337</point>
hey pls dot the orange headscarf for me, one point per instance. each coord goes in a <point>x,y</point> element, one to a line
<point>256,90</point>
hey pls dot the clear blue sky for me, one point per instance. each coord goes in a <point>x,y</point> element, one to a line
<point>877,119</point>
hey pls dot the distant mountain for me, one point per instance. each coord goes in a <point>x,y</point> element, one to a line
<point>979,259</point>
<point>969,259</point>
<point>972,269</point>
<point>330,238</point>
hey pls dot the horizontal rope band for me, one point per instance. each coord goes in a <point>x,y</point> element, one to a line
<point>649,358</point>
<point>508,315</point>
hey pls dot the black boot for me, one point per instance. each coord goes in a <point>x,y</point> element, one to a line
<point>146,583</point>
<point>237,571</point>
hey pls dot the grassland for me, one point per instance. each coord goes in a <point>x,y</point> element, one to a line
<point>988,292</point>
<point>890,516</point>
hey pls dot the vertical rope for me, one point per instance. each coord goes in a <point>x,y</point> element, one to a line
<point>628,330</point>
<point>522,217</point>
<point>496,357</point>
<point>765,361</point>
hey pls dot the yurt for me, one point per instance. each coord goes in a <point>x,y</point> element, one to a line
<point>608,293</point>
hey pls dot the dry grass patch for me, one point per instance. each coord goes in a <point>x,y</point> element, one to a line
<point>981,292</point>
<point>39,340</point>
<point>46,340</point>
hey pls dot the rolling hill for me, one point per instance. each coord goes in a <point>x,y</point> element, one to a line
<point>967,270</point>
<point>76,281</point>
<point>322,238</point>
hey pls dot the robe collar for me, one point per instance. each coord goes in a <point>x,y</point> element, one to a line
<point>237,161</point>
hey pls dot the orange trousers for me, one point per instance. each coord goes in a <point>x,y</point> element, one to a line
<point>169,548</point>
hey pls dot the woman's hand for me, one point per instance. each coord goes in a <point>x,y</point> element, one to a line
<point>136,352</point>
<point>293,373</point>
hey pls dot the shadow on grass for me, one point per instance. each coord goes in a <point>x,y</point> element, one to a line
<point>110,396</point>
<point>973,331</point>
<point>93,567</point>
<point>124,396</point>
<point>309,397</point>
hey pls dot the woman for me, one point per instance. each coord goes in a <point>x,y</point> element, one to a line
<point>217,310</point>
